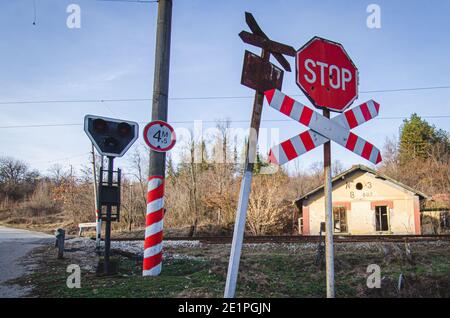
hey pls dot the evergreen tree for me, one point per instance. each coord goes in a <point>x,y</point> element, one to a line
<point>418,137</point>
<point>259,163</point>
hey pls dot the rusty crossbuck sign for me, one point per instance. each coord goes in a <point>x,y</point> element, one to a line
<point>261,75</point>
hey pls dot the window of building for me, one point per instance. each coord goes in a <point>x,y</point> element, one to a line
<point>300,225</point>
<point>444,226</point>
<point>340,219</point>
<point>381,218</point>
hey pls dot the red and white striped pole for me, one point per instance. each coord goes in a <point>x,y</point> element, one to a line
<point>154,227</point>
<point>158,138</point>
<point>98,221</point>
<point>98,229</point>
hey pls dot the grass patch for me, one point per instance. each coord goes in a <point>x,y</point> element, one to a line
<point>273,272</point>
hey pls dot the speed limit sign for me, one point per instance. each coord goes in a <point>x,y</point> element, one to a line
<point>159,136</point>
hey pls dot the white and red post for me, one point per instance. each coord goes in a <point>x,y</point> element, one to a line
<point>98,229</point>
<point>154,227</point>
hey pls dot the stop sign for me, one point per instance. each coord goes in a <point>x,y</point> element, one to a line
<point>326,74</point>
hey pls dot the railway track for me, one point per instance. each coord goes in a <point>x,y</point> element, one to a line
<point>303,239</point>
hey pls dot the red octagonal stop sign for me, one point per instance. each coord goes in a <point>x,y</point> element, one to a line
<point>326,74</point>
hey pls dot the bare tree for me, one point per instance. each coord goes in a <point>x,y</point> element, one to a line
<point>57,174</point>
<point>137,165</point>
<point>16,179</point>
<point>268,212</point>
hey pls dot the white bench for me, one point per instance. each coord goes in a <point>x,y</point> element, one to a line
<point>83,226</point>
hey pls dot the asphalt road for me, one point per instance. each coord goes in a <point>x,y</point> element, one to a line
<point>14,244</point>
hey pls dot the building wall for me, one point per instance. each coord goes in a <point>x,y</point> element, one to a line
<point>403,206</point>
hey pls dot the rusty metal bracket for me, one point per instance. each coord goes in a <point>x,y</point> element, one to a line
<point>260,39</point>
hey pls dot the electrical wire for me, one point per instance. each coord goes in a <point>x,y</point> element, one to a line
<point>139,1</point>
<point>202,97</point>
<point>208,121</point>
<point>61,159</point>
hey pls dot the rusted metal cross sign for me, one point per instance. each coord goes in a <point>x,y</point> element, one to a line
<point>261,75</point>
<point>258,73</point>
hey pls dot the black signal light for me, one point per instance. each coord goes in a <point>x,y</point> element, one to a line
<point>112,137</point>
<point>111,142</point>
<point>124,129</point>
<point>100,126</point>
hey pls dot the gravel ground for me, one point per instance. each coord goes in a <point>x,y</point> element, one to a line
<point>136,247</point>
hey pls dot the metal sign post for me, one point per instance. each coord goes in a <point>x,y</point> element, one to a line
<point>112,138</point>
<point>108,219</point>
<point>260,75</point>
<point>329,229</point>
<point>109,197</point>
<point>334,87</point>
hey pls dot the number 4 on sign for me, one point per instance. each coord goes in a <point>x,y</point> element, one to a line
<point>159,136</point>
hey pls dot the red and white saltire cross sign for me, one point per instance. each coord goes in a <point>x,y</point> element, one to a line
<point>154,227</point>
<point>322,129</point>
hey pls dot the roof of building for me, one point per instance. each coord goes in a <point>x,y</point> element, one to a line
<point>438,202</point>
<point>366,169</point>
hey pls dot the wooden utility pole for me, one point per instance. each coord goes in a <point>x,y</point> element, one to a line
<point>161,80</point>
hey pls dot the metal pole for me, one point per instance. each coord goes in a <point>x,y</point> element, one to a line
<point>98,221</point>
<point>108,218</point>
<point>60,240</point>
<point>241,214</point>
<point>157,160</point>
<point>329,245</point>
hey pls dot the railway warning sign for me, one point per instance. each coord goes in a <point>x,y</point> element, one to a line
<point>159,136</point>
<point>322,129</point>
<point>326,74</point>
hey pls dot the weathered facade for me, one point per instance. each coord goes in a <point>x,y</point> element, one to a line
<point>436,215</point>
<point>364,203</point>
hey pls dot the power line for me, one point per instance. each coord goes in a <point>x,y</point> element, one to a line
<point>202,97</point>
<point>209,121</point>
<point>407,89</point>
<point>76,101</point>
<point>60,159</point>
<point>136,1</point>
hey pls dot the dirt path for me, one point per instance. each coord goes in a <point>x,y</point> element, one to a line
<point>14,244</point>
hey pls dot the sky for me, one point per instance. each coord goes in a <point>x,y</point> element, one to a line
<point>112,57</point>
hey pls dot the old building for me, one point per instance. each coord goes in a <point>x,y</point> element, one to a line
<point>365,202</point>
<point>436,215</point>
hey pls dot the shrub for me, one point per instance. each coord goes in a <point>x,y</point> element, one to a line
<point>39,204</point>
